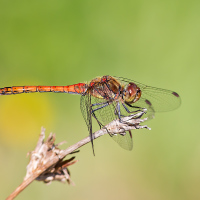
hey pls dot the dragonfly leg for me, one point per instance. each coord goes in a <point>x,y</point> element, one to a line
<point>100,124</point>
<point>127,110</point>
<point>104,104</point>
<point>118,113</point>
<point>139,109</point>
<point>97,104</point>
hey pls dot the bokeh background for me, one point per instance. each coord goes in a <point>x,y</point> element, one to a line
<point>66,42</point>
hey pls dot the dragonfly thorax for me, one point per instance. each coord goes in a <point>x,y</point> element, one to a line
<point>109,88</point>
<point>106,87</point>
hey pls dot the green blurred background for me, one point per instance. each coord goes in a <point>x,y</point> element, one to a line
<point>67,42</point>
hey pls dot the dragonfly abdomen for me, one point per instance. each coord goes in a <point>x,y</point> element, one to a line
<point>75,89</point>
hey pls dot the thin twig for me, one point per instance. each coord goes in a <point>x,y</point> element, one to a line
<point>47,160</point>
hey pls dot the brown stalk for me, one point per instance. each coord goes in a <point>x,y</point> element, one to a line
<point>47,160</point>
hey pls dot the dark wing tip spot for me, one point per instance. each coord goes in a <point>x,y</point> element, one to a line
<point>148,102</point>
<point>175,94</point>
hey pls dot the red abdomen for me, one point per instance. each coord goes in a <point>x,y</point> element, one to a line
<point>79,88</point>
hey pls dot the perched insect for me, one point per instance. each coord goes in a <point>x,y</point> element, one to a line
<point>108,98</point>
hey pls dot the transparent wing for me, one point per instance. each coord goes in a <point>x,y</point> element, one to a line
<point>141,103</point>
<point>105,113</point>
<point>158,99</point>
<point>85,103</point>
<point>124,141</point>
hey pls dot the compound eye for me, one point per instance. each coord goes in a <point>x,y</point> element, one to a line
<point>130,92</point>
<point>133,93</point>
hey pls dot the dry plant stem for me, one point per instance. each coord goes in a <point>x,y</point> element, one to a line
<point>115,127</point>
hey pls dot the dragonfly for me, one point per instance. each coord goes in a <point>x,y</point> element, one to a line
<point>108,98</point>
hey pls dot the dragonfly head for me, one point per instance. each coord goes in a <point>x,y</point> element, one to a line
<point>132,93</point>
